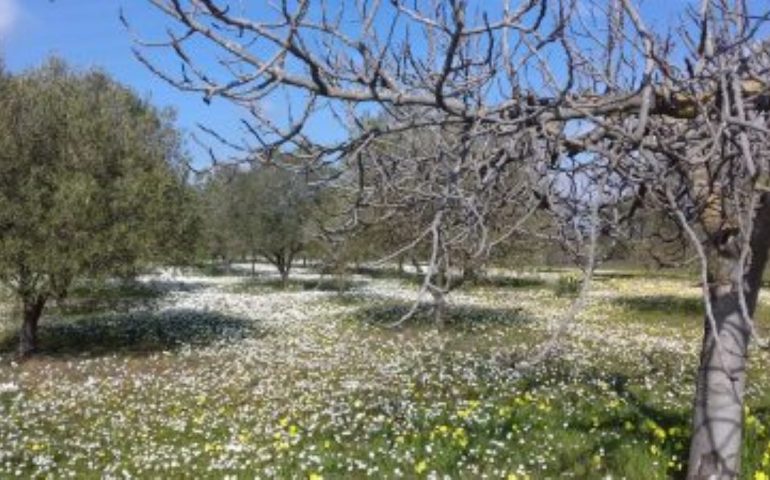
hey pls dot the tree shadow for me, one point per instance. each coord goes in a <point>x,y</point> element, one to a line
<point>663,311</point>
<point>481,281</point>
<point>615,433</point>
<point>497,281</point>
<point>388,274</point>
<point>612,275</point>
<point>456,316</point>
<point>328,284</point>
<point>94,297</point>
<point>223,270</point>
<point>662,304</point>
<point>138,332</point>
<point>673,274</point>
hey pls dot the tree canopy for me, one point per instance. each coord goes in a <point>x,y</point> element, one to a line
<point>261,212</point>
<point>90,183</point>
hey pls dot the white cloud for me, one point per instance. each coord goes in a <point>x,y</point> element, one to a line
<point>9,16</point>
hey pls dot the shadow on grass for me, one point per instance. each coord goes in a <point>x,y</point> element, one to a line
<point>663,305</point>
<point>455,316</point>
<point>222,270</point>
<point>114,296</point>
<point>621,424</point>
<point>137,332</point>
<point>620,275</point>
<point>330,284</point>
<point>600,424</point>
<point>506,282</point>
<point>388,273</point>
<point>482,281</point>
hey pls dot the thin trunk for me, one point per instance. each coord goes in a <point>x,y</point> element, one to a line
<point>470,273</point>
<point>401,264</point>
<point>715,449</point>
<point>416,265</point>
<point>283,265</point>
<point>439,297</point>
<point>439,309</point>
<point>28,339</point>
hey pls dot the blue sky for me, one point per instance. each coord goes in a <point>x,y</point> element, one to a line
<point>88,33</point>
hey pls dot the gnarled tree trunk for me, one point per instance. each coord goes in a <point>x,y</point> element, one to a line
<point>715,449</point>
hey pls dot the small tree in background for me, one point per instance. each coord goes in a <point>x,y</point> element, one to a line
<point>265,211</point>
<point>88,185</point>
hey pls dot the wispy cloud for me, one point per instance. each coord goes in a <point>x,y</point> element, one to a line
<point>9,16</point>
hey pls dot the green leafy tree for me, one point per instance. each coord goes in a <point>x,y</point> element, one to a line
<point>217,207</point>
<point>264,212</point>
<point>89,184</point>
<point>272,213</point>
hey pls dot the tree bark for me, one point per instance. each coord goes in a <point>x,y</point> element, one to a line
<point>715,449</point>
<point>28,338</point>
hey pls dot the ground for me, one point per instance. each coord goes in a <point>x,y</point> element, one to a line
<point>213,376</point>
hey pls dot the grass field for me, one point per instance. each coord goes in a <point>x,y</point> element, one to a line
<point>232,376</point>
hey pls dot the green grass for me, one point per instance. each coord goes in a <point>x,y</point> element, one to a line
<point>321,386</point>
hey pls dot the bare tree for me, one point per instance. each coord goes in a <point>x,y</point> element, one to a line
<point>534,103</point>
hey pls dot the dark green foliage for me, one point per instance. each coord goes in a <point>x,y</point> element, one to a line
<point>262,212</point>
<point>90,183</point>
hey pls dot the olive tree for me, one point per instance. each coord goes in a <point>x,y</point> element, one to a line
<point>89,184</point>
<point>259,212</point>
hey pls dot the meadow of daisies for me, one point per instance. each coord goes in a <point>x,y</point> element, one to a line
<point>231,376</point>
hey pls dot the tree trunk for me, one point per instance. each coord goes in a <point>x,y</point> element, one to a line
<point>715,449</point>
<point>416,265</point>
<point>439,309</point>
<point>33,309</point>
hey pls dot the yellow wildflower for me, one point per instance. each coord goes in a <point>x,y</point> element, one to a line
<point>420,466</point>
<point>282,446</point>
